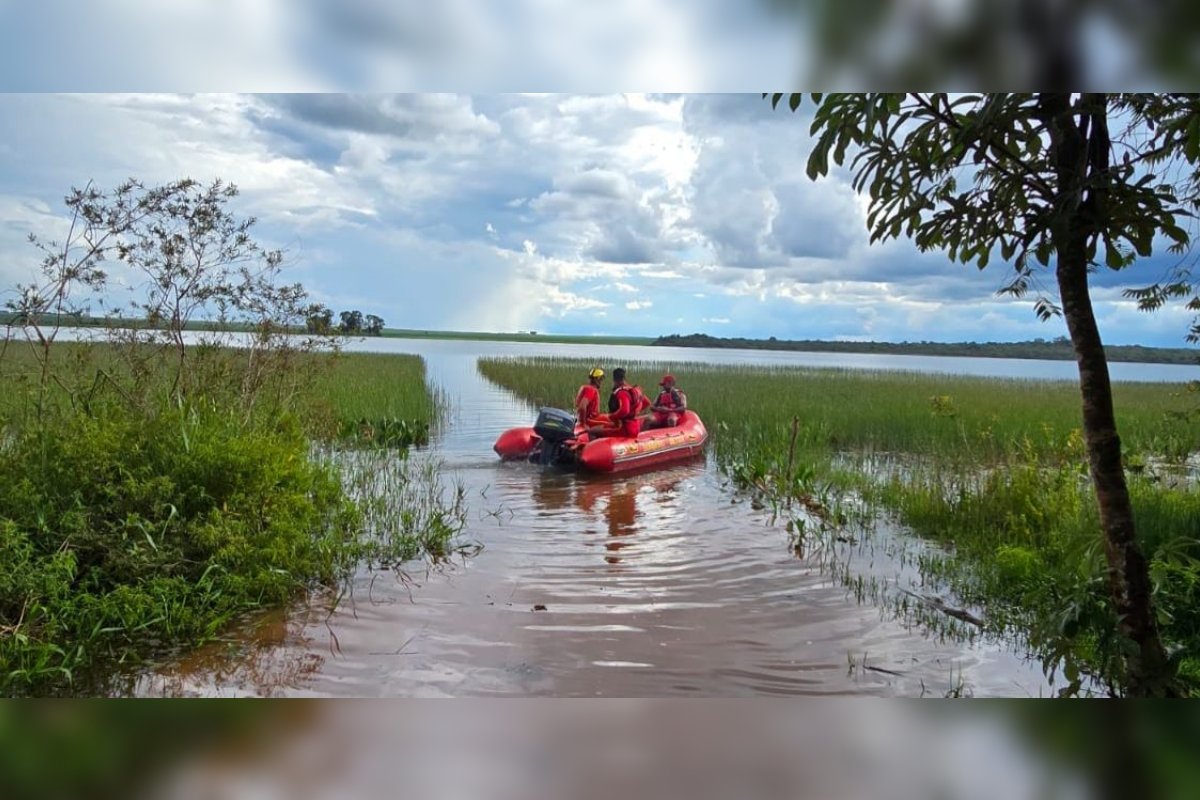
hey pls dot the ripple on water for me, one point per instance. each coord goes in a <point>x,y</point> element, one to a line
<point>642,585</point>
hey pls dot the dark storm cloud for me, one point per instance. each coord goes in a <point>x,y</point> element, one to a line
<point>815,221</point>
<point>617,244</point>
<point>421,117</point>
<point>705,113</point>
<point>605,219</point>
<point>699,206</point>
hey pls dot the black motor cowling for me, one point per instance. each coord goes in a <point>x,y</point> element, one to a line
<point>552,454</point>
<point>555,425</point>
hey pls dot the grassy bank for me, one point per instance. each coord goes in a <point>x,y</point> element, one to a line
<point>136,519</point>
<point>992,469</point>
<point>336,396</point>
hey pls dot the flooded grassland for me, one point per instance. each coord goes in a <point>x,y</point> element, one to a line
<point>792,560</point>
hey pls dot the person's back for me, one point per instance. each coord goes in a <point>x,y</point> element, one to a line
<point>624,405</point>
<point>587,401</point>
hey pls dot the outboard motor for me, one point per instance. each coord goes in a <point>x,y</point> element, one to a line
<point>555,427</point>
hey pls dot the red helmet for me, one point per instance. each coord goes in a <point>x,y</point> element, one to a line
<point>668,378</point>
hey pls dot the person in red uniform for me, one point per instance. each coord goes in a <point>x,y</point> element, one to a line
<point>587,402</point>
<point>669,406</point>
<point>626,405</point>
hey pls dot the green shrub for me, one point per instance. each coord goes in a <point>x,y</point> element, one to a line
<point>122,536</point>
<point>1016,564</point>
<point>152,485</point>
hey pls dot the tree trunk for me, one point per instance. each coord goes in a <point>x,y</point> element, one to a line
<point>1129,578</point>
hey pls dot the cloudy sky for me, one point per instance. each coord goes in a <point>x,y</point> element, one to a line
<point>613,214</point>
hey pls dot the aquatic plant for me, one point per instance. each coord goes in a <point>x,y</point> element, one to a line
<point>993,470</point>
<point>133,523</point>
<point>160,480</point>
<point>120,537</point>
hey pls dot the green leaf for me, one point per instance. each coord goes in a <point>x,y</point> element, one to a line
<point>1191,145</point>
<point>1113,259</point>
<point>1175,232</point>
<point>818,160</point>
<point>1042,252</point>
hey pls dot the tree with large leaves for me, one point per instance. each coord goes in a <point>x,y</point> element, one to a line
<point>1068,183</point>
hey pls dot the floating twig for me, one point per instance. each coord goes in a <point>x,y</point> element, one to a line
<point>937,604</point>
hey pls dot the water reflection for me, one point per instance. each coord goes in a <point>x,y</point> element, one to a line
<point>624,586</point>
<point>267,656</point>
<point>678,748</point>
<point>629,506</point>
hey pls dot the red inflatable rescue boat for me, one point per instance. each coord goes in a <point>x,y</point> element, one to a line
<point>556,439</point>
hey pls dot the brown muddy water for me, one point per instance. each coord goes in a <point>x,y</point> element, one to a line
<point>660,584</point>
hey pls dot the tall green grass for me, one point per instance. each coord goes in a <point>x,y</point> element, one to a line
<point>975,420</point>
<point>357,385</point>
<point>135,520</point>
<point>993,469</point>
<point>335,393</point>
<point>372,398</point>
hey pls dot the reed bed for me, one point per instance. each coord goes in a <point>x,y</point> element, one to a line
<point>335,392</point>
<point>374,385</point>
<point>992,469</point>
<point>408,507</point>
<point>967,418</point>
<point>137,520</point>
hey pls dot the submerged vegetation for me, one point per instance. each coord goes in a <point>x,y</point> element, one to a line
<point>994,470</point>
<point>154,485</point>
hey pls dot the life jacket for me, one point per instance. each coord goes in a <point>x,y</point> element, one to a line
<point>587,402</point>
<point>637,401</point>
<point>670,398</point>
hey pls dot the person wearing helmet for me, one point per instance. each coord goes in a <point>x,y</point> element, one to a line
<point>669,406</point>
<point>587,402</point>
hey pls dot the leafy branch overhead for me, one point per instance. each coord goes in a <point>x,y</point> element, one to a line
<point>974,175</point>
<point>1088,181</point>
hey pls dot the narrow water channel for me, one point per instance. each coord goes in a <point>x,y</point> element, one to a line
<point>660,584</point>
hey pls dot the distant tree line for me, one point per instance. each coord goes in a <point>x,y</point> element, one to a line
<point>317,319</point>
<point>1058,349</point>
<point>351,323</point>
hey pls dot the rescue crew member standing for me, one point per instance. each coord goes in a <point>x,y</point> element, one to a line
<point>625,405</point>
<point>669,406</point>
<point>587,402</point>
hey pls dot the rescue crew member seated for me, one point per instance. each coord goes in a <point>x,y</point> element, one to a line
<point>669,406</point>
<point>587,403</point>
<point>626,405</point>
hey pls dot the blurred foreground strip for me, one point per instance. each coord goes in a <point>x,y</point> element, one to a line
<point>594,749</point>
<point>374,45</point>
